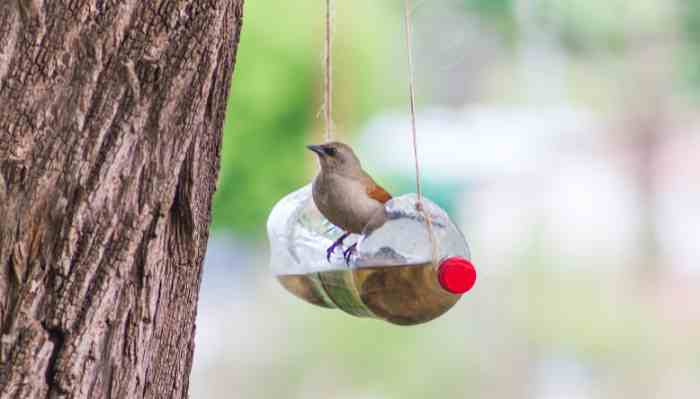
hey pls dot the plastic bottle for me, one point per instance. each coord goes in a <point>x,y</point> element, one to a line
<point>394,274</point>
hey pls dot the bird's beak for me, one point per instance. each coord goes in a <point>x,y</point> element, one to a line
<point>318,149</point>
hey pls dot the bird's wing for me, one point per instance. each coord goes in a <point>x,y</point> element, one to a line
<point>376,192</point>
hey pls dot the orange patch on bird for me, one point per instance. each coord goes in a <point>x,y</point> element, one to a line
<point>378,193</point>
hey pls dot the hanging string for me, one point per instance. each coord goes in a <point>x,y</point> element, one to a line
<point>412,101</point>
<point>328,84</point>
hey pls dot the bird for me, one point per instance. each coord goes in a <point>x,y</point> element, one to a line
<point>345,194</point>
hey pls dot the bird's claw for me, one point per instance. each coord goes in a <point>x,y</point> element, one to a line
<point>347,254</point>
<point>330,251</point>
<point>335,245</point>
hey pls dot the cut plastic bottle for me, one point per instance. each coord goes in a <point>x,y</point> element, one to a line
<point>394,275</point>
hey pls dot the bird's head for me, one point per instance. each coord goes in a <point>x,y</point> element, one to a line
<point>337,157</point>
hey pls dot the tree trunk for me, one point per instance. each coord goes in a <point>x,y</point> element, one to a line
<point>111,114</point>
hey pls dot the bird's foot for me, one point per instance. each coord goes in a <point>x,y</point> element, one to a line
<point>336,244</point>
<point>349,253</point>
<point>330,251</point>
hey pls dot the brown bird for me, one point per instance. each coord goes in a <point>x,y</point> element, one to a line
<point>345,194</point>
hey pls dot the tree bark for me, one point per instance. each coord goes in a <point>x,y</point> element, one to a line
<point>111,114</point>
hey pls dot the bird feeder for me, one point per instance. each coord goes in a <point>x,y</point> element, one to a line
<point>395,274</point>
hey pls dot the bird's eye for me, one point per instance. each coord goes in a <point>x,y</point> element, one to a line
<point>330,151</point>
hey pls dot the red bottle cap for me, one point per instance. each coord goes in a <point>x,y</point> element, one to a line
<point>456,275</point>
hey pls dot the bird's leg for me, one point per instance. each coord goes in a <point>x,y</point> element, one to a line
<point>348,253</point>
<point>335,245</point>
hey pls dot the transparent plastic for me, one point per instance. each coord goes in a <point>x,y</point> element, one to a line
<point>393,274</point>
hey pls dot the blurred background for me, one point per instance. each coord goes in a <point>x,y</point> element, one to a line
<point>563,136</point>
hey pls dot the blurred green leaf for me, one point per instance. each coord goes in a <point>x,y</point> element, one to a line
<point>276,97</point>
<point>691,23</point>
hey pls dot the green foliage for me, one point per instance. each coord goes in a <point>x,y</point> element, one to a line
<point>269,111</point>
<point>276,97</point>
<point>692,31</point>
<point>592,26</point>
<point>499,13</point>
<point>276,93</point>
<point>584,25</point>
<point>491,8</point>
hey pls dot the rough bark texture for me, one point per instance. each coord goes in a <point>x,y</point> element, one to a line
<point>110,126</point>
